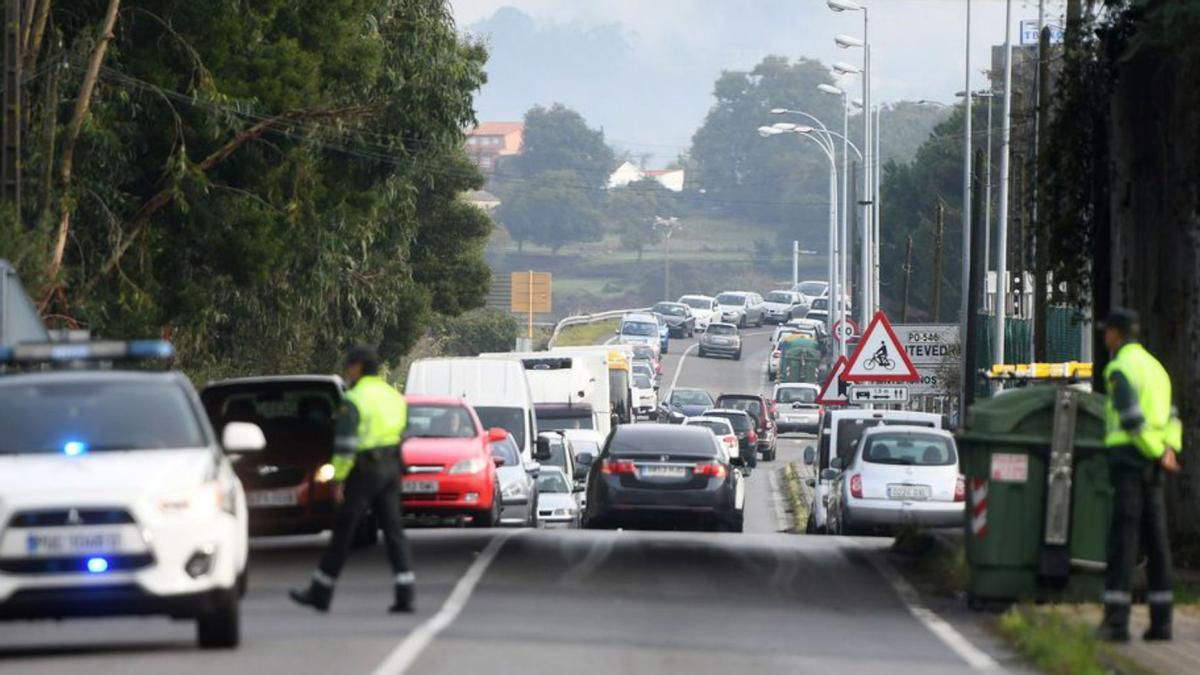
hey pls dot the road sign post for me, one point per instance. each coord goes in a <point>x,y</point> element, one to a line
<point>531,294</point>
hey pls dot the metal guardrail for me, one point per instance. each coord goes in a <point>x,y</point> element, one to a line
<point>583,319</point>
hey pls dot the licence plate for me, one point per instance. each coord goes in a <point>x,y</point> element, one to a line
<point>656,471</point>
<point>45,543</point>
<point>908,492</point>
<point>419,487</point>
<point>271,498</point>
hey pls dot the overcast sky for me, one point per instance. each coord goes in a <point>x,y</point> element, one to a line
<point>651,63</point>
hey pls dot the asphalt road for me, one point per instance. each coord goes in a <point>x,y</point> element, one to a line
<point>528,602</point>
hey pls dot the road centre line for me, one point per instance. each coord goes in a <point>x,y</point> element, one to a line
<point>406,653</point>
<point>975,658</point>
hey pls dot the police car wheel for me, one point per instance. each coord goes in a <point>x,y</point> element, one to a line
<point>220,628</point>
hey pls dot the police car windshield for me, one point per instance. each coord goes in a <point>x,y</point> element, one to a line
<point>440,421</point>
<point>77,417</point>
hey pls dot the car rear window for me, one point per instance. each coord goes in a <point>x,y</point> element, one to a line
<point>850,431</point>
<point>796,395</point>
<point>741,423</point>
<point>910,450</point>
<point>780,297</point>
<point>77,417</point>
<point>440,421</point>
<point>749,405</point>
<point>721,329</point>
<point>272,405</point>
<point>718,428</point>
<point>662,440</point>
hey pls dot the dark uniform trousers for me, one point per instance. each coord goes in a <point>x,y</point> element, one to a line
<point>373,484</point>
<point>1139,518</point>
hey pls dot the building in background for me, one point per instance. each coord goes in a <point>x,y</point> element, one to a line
<point>489,141</point>
<point>628,172</point>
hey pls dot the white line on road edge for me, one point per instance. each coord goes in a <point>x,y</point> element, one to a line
<point>406,653</point>
<point>953,639</point>
<point>679,366</point>
<point>781,519</point>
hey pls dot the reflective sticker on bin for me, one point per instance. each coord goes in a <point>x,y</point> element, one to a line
<point>979,489</point>
<point>1010,467</point>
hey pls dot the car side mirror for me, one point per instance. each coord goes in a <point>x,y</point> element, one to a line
<point>836,463</point>
<point>542,451</point>
<point>243,437</point>
<point>810,455</point>
<point>533,468</point>
<point>830,474</point>
<point>578,487</point>
<point>496,435</point>
<point>498,462</point>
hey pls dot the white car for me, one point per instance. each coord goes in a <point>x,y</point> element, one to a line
<point>796,407</point>
<point>783,306</point>
<point>558,499</point>
<point>645,396</point>
<point>897,476</point>
<point>117,499</point>
<point>812,288</point>
<point>704,309</point>
<point>721,428</point>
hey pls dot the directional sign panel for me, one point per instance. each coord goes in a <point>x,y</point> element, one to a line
<point>934,350</point>
<point>831,390</point>
<point>880,356</point>
<point>877,393</point>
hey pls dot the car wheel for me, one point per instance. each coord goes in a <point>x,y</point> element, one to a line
<point>243,580</point>
<point>742,322</point>
<point>701,354</point>
<point>490,517</point>
<point>738,355</point>
<point>220,628</point>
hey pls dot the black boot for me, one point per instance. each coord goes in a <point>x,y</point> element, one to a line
<point>317,595</point>
<point>1115,625</point>
<point>1160,623</point>
<point>403,603</point>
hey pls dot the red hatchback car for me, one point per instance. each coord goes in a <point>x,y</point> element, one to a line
<point>451,471</point>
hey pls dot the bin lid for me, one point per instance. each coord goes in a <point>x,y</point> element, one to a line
<point>1025,416</point>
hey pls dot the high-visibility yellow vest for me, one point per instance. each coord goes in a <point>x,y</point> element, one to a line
<point>1152,386</point>
<point>382,413</point>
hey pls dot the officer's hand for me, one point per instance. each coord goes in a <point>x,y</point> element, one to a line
<point>1169,462</point>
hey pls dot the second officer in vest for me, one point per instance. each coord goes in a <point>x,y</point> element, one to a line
<point>370,427</point>
<point>1142,436</point>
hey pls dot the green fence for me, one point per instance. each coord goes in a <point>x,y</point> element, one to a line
<point>1064,327</point>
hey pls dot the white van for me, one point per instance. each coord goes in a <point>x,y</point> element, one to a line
<point>570,391</point>
<point>496,387</point>
<point>620,376</point>
<point>836,440</point>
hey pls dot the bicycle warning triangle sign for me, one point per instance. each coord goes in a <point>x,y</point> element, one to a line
<point>880,357</point>
<point>832,391</point>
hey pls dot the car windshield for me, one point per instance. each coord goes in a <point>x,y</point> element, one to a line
<point>507,451</point>
<point>742,423</point>
<point>93,416</point>
<point>511,420</point>
<point>292,415</point>
<point>697,303</point>
<point>440,421</point>
<point>731,299</point>
<point>910,450</point>
<point>721,329</point>
<point>796,395</point>
<point>690,397</point>
<point>552,482</point>
<point>639,328</point>
<point>670,309</point>
<point>642,381</point>
<point>780,297</point>
<point>812,288</point>
<point>718,428</point>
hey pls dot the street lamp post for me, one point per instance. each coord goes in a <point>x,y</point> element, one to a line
<point>843,244</point>
<point>1002,219</point>
<point>965,324</point>
<point>669,225</point>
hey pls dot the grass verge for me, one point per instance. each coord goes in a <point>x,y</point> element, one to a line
<point>793,491</point>
<point>586,334</point>
<point>1055,640</point>
<point>935,563</point>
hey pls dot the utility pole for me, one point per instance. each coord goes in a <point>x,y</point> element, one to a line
<point>939,245</point>
<point>1002,221</point>
<point>969,339</point>
<point>965,323</point>
<point>1041,312</point>
<point>669,225</point>
<point>10,155</point>
<point>795,263</point>
<point>907,280</point>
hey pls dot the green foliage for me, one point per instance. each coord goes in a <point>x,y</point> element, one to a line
<point>552,209</point>
<point>475,332</point>
<point>558,139</point>
<point>340,224</point>
<point>632,209</point>
<point>586,334</point>
<point>1056,642</point>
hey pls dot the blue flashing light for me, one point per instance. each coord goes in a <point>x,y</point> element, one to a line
<point>150,349</point>
<point>74,448</point>
<point>97,565</point>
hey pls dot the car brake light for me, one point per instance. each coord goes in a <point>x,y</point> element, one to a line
<point>856,486</point>
<point>709,469</point>
<point>731,440</point>
<point>752,437</point>
<point>618,466</point>
<point>960,490</point>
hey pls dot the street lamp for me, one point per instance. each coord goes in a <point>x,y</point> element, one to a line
<point>847,41</point>
<point>670,225</point>
<point>842,68</point>
<point>845,242</point>
<point>844,5</point>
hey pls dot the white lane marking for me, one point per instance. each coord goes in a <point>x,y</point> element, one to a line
<point>405,654</point>
<point>781,519</point>
<point>679,366</point>
<point>975,657</point>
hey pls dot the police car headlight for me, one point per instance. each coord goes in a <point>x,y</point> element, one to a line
<point>473,465</point>
<point>325,473</point>
<point>207,498</point>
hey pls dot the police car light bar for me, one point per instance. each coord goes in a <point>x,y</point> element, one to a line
<point>65,352</point>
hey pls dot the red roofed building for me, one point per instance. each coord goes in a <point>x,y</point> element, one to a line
<point>492,140</point>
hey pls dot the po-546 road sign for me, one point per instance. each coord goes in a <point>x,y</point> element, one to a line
<point>880,356</point>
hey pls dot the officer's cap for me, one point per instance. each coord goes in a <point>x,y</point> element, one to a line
<point>1125,321</point>
<point>363,354</point>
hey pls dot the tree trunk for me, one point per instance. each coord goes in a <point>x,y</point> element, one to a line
<point>82,106</point>
<point>1155,231</point>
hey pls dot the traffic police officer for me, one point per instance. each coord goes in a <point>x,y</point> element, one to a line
<point>370,425</point>
<point>1142,437</point>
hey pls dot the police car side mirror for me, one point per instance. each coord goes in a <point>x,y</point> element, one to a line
<point>242,437</point>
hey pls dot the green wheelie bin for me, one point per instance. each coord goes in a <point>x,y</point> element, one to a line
<point>1038,496</point>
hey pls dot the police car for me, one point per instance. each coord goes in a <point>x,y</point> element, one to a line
<point>115,496</point>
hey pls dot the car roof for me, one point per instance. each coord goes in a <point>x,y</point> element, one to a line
<point>722,323</point>
<point>550,468</point>
<point>273,379</point>
<point>696,297</point>
<point>673,304</point>
<point>675,389</point>
<point>434,399</point>
<point>705,418</point>
<point>756,397</point>
<point>886,414</point>
<point>653,431</point>
<point>797,385</point>
<point>724,411</point>
<point>587,434</point>
<point>92,376</point>
<point>907,429</point>
<point>734,293</point>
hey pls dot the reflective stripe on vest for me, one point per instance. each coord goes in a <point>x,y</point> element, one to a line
<point>382,413</point>
<point>1152,386</point>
